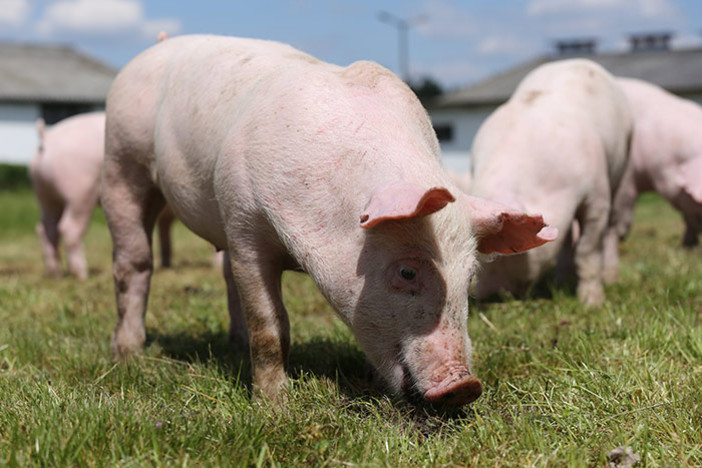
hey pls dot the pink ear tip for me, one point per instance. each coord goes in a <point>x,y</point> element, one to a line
<point>548,233</point>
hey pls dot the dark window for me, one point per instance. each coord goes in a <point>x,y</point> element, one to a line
<point>444,132</point>
<point>52,113</point>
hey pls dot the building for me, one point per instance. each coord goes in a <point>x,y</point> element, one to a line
<point>457,116</point>
<point>52,82</point>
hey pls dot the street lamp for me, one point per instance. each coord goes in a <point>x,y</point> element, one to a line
<point>403,26</point>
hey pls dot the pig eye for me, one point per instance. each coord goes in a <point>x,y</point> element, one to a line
<point>408,273</point>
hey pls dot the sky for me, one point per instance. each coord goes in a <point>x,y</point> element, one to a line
<point>454,42</point>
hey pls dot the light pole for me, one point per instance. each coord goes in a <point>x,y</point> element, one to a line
<point>403,26</point>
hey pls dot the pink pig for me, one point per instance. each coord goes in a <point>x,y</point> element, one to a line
<point>558,147</point>
<point>666,156</point>
<point>65,174</point>
<point>287,162</point>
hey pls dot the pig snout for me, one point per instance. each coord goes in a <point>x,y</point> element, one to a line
<point>458,388</point>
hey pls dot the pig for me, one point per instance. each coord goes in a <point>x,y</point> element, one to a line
<point>666,157</point>
<point>65,173</point>
<point>287,162</point>
<point>558,147</point>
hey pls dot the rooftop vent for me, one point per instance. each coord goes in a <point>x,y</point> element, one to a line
<point>649,42</point>
<point>576,47</point>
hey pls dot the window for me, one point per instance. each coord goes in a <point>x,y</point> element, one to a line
<point>52,113</point>
<point>444,132</point>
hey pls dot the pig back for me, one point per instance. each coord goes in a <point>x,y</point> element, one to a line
<point>259,129</point>
<point>70,158</point>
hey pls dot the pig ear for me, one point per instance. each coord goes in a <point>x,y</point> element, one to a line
<point>403,200</point>
<point>690,178</point>
<point>501,229</point>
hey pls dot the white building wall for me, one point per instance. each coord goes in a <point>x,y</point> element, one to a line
<point>18,132</point>
<point>465,123</point>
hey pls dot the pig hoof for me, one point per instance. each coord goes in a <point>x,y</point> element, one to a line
<point>124,347</point>
<point>610,275</point>
<point>274,391</point>
<point>690,243</point>
<point>592,295</point>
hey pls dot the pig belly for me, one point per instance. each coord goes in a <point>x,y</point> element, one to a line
<point>192,199</point>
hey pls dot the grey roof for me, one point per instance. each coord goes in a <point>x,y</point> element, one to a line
<point>49,73</point>
<point>679,71</point>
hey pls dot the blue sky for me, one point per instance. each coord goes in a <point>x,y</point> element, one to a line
<point>458,43</point>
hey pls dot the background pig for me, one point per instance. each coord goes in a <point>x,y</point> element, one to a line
<point>557,147</point>
<point>287,162</point>
<point>65,174</point>
<point>666,156</point>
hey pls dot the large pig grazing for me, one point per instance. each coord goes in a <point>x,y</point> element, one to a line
<point>559,147</point>
<point>65,174</point>
<point>666,156</point>
<point>287,162</point>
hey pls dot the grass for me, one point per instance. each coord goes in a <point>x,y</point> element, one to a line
<point>562,385</point>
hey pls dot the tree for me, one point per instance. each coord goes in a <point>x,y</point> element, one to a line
<point>426,89</point>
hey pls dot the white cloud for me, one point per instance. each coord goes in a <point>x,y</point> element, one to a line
<point>102,17</point>
<point>501,45</point>
<point>656,8</point>
<point>645,8</point>
<point>13,12</point>
<point>446,20</point>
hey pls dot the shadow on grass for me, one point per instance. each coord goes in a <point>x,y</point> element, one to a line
<point>547,287</point>
<point>321,357</point>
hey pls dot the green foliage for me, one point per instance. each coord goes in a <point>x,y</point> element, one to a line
<point>427,89</point>
<point>563,385</point>
<point>14,177</point>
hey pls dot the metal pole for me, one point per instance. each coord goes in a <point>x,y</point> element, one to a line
<point>403,26</point>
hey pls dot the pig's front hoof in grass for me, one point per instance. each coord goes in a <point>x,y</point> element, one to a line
<point>591,293</point>
<point>610,274</point>
<point>127,344</point>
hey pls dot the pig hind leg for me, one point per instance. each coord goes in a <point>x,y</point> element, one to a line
<point>72,227</point>
<point>48,232</point>
<point>132,204</point>
<point>593,218</point>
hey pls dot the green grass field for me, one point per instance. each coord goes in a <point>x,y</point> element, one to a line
<point>562,385</point>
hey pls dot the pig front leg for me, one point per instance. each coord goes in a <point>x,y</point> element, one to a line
<point>589,252</point>
<point>238,335</point>
<point>47,230</point>
<point>132,205</point>
<point>258,282</point>
<point>72,227</point>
